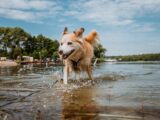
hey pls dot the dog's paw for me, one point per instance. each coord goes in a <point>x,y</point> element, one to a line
<point>61,80</point>
<point>93,82</point>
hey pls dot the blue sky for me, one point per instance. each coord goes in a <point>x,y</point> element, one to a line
<point>125,26</point>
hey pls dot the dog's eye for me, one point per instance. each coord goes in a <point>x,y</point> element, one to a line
<point>69,43</point>
<point>61,43</point>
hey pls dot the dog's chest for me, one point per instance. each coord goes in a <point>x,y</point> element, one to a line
<point>76,64</point>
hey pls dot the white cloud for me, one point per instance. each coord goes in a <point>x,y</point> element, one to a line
<point>143,28</point>
<point>28,10</point>
<point>27,4</point>
<point>18,14</point>
<point>101,12</point>
<point>113,12</point>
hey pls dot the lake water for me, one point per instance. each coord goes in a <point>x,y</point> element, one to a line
<point>121,92</point>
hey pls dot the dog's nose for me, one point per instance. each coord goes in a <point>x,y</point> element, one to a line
<point>60,52</point>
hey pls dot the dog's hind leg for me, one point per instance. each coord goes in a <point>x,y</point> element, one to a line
<point>89,72</point>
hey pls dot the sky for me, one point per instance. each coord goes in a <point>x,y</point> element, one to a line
<point>125,27</point>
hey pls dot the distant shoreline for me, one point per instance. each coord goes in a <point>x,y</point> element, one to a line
<point>13,63</point>
<point>8,63</point>
<point>134,62</point>
<point>140,57</point>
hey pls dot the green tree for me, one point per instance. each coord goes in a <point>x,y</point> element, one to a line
<point>12,38</point>
<point>99,51</point>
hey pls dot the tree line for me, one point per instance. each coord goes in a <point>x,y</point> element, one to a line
<point>141,57</point>
<point>16,42</point>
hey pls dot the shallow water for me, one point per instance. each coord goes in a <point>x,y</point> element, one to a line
<point>121,91</point>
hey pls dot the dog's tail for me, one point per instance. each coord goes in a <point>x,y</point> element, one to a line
<point>92,38</point>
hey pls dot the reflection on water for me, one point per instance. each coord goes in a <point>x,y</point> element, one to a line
<point>121,91</point>
<point>7,71</point>
<point>80,103</point>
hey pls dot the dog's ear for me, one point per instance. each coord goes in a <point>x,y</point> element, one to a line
<point>79,32</point>
<point>65,31</point>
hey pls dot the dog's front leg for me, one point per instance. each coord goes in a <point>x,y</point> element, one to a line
<point>65,75</point>
<point>89,72</point>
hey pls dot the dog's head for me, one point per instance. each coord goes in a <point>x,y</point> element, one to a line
<point>70,43</point>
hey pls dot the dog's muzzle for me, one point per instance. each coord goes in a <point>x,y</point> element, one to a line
<point>60,52</point>
<point>65,56</point>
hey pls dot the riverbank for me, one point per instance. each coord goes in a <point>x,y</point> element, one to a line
<point>8,63</point>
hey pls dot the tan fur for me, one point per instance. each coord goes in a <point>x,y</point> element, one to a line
<point>92,37</point>
<point>83,55</point>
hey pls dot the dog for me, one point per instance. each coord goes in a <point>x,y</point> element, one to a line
<point>77,51</point>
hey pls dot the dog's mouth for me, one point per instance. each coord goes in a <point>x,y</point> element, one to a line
<point>65,56</point>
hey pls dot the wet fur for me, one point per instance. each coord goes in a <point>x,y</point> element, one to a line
<point>80,59</point>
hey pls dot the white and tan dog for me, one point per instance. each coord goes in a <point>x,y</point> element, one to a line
<point>77,51</point>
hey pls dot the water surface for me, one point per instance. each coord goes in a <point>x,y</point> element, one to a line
<point>121,91</point>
